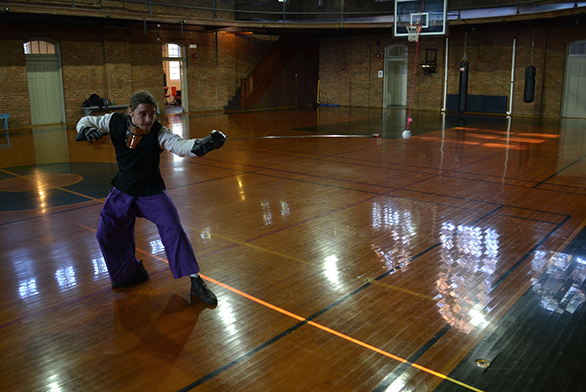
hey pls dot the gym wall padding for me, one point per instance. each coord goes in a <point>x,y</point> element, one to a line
<point>496,104</point>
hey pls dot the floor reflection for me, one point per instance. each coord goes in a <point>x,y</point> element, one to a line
<point>430,241</point>
<point>561,286</point>
<point>469,255</point>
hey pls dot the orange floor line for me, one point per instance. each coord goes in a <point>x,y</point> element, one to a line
<point>339,334</point>
<point>322,327</point>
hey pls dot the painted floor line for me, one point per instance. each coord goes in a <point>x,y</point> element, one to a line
<point>339,334</point>
<point>324,328</point>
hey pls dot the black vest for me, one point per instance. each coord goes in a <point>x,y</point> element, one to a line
<point>138,168</point>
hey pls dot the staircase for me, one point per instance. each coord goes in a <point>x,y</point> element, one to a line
<point>257,83</point>
<point>234,103</point>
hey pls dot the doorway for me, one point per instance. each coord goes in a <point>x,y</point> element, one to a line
<point>45,83</point>
<point>175,82</point>
<point>395,77</point>
<point>574,103</point>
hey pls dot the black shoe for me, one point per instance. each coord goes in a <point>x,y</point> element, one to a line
<point>140,275</point>
<point>199,289</point>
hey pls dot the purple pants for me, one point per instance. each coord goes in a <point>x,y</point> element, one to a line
<point>116,234</point>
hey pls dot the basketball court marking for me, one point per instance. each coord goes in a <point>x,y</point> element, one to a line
<point>309,321</point>
<point>57,187</point>
<point>317,325</point>
<point>339,334</point>
<point>264,250</point>
<point>346,337</point>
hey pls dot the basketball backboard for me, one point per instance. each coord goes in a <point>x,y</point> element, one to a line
<point>431,14</point>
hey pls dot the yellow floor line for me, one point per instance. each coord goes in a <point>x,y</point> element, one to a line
<point>368,280</point>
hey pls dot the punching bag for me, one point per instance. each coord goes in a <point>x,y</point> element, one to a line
<point>529,84</point>
<point>463,95</point>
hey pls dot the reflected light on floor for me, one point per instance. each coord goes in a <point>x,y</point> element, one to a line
<point>157,247</point>
<point>206,234</point>
<point>385,217</point>
<point>477,318</point>
<point>53,386</point>
<point>399,223</point>
<point>397,385</point>
<point>545,135</point>
<point>241,189</point>
<point>497,136</point>
<point>267,215</point>
<point>28,288</point>
<point>469,256</point>
<point>523,140</point>
<point>331,269</point>
<point>561,286</point>
<point>66,278</point>
<point>41,186</point>
<point>505,146</point>
<point>227,316</point>
<point>481,136</point>
<point>100,267</point>
<point>285,210</point>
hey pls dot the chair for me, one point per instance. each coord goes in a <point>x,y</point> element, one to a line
<point>176,95</point>
<point>167,95</point>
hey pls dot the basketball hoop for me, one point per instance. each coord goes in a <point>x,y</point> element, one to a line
<point>413,31</point>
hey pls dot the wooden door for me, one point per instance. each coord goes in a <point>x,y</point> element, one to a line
<point>574,103</point>
<point>45,89</point>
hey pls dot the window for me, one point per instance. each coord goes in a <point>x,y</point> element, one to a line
<point>174,70</point>
<point>39,47</point>
<point>396,51</point>
<point>578,49</point>
<point>171,50</point>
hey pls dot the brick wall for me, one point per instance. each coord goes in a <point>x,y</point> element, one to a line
<point>115,62</point>
<point>348,67</point>
<point>336,71</point>
<point>14,97</point>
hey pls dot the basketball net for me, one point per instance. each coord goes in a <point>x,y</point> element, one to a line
<point>413,31</point>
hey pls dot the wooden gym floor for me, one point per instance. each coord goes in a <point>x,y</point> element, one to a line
<point>452,261</point>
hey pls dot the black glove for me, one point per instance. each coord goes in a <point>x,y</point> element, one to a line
<point>89,134</point>
<point>215,140</point>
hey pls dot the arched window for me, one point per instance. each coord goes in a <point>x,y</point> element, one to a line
<point>578,49</point>
<point>396,51</point>
<point>39,47</point>
<point>171,50</point>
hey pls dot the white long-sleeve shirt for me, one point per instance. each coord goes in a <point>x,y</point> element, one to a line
<point>167,139</point>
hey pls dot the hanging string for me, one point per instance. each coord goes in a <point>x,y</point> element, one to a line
<point>465,57</point>
<point>532,45</point>
<point>409,119</point>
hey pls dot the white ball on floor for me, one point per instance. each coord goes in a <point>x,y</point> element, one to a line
<point>406,134</point>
